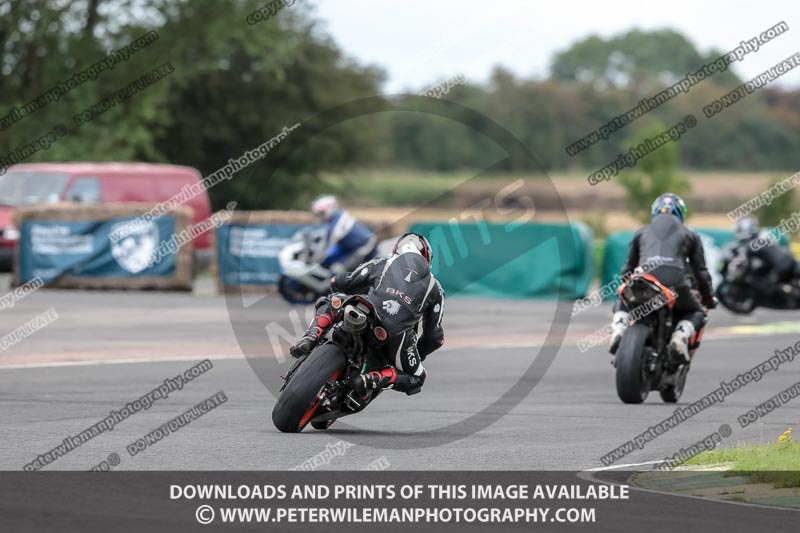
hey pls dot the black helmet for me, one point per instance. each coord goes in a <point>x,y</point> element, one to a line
<point>416,243</point>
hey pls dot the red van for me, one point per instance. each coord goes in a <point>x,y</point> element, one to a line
<point>35,183</point>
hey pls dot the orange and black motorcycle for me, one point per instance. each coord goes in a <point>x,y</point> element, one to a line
<point>644,361</point>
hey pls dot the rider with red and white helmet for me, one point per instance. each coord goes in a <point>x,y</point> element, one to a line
<point>409,302</point>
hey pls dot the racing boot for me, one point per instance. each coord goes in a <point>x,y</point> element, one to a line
<point>681,337</point>
<point>619,324</point>
<point>309,341</point>
<point>385,379</point>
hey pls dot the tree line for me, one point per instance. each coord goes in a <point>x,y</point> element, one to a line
<point>237,79</point>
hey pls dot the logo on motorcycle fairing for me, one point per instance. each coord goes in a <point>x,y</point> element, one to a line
<point>136,250</point>
<point>391,306</point>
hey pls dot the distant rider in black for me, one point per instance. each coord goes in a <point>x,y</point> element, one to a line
<point>780,266</point>
<point>674,248</point>
<point>409,302</point>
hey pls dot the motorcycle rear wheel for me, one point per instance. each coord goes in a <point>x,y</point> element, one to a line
<point>633,380</point>
<point>299,401</point>
<point>727,296</point>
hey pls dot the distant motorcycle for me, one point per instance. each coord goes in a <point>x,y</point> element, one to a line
<point>317,389</point>
<point>643,360</point>
<point>746,285</point>
<point>303,279</point>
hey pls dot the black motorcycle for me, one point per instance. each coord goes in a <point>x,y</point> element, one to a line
<point>747,284</point>
<point>317,389</point>
<point>643,359</point>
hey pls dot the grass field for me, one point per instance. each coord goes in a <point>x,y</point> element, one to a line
<point>393,188</point>
<point>403,188</point>
<point>381,194</point>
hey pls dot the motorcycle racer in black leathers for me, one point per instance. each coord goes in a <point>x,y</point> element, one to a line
<point>780,266</point>
<point>669,248</point>
<point>409,303</point>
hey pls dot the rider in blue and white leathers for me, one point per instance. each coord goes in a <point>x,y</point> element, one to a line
<point>348,242</point>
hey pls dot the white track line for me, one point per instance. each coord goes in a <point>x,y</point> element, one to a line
<point>615,467</point>
<point>179,358</point>
<point>588,475</point>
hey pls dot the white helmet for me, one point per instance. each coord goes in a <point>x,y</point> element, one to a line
<point>325,207</point>
<point>746,229</point>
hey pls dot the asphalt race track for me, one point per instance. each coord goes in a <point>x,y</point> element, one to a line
<point>568,421</point>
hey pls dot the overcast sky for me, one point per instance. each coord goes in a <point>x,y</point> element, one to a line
<point>419,43</point>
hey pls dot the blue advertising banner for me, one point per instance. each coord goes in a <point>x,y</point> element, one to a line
<point>248,253</point>
<point>50,249</point>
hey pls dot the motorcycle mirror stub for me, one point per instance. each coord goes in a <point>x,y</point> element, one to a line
<point>336,302</point>
<point>380,333</point>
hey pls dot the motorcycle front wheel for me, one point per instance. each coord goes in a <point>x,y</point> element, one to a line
<point>299,401</point>
<point>672,393</point>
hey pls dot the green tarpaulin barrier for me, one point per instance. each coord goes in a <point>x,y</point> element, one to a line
<point>511,260</point>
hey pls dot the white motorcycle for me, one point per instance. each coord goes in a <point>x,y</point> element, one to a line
<point>303,279</point>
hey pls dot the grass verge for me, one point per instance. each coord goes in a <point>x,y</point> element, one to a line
<point>776,463</point>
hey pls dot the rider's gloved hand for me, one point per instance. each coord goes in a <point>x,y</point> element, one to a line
<point>710,302</point>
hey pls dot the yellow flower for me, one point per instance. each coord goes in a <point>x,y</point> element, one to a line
<point>786,436</point>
